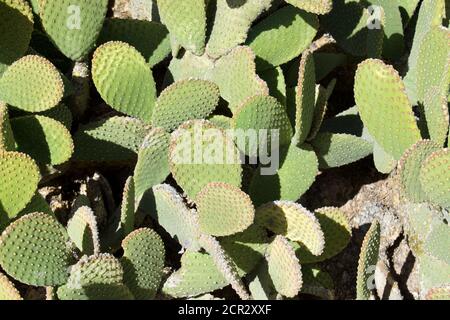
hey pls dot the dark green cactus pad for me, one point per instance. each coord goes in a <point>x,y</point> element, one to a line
<point>266,37</point>
<point>217,161</point>
<point>152,166</point>
<point>434,177</point>
<point>7,142</point>
<point>384,107</point>
<point>297,172</point>
<point>117,139</point>
<point>150,38</point>
<point>124,79</point>
<point>262,113</point>
<point>322,96</point>
<point>224,209</point>
<point>32,84</point>
<point>36,204</point>
<point>276,82</point>
<point>315,6</point>
<point>16,27</point>
<point>128,208</point>
<point>337,231</point>
<point>73,25</point>
<point>18,183</point>
<point>60,113</point>
<point>317,282</point>
<point>339,149</point>
<point>368,259</point>
<point>46,263</point>
<point>185,100</point>
<point>294,222</point>
<point>143,263</point>
<point>186,21</point>
<point>284,268</point>
<point>44,139</point>
<point>7,289</point>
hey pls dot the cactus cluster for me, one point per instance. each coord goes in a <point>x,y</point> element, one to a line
<point>182,144</point>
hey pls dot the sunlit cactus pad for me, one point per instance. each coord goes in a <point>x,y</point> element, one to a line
<point>224,150</point>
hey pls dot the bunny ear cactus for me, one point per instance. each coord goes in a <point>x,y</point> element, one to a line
<point>83,231</point>
<point>7,289</point>
<point>7,142</point>
<point>315,6</point>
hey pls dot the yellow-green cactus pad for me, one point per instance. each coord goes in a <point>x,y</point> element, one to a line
<point>294,222</point>
<point>60,113</point>
<point>199,149</point>
<point>7,289</point>
<point>220,121</point>
<point>152,166</point>
<point>434,178</point>
<point>262,113</point>
<point>186,21</point>
<point>18,183</point>
<point>314,6</point>
<point>232,22</point>
<point>438,242</point>
<point>384,107</point>
<point>368,259</point>
<point>298,170</point>
<point>124,79</point>
<point>235,74</point>
<point>433,272</point>
<point>83,231</point>
<point>170,211</point>
<point>73,25</point>
<point>305,98</point>
<point>267,37</point>
<point>284,268</point>
<point>7,142</point>
<point>16,25</point>
<point>337,231</point>
<point>224,209</point>
<point>32,84</point>
<point>44,139</point>
<point>34,250</point>
<point>117,139</point>
<point>435,107</point>
<point>143,263</point>
<point>383,161</point>
<point>185,100</point>
<point>150,38</point>
<point>409,169</point>
<point>339,149</point>
<point>128,208</point>
<point>97,277</point>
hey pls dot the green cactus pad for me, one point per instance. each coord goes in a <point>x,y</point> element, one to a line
<point>384,107</point>
<point>32,84</point>
<point>284,268</point>
<point>73,25</point>
<point>7,289</point>
<point>127,209</point>
<point>321,107</point>
<point>224,209</point>
<point>217,161</point>
<point>186,21</point>
<point>434,178</point>
<point>189,66</point>
<point>60,113</point>
<point>266,37</point>
<point>44,139</point>
<point>409,169</point>
<point>435,107</point>
<point>294,222</point>
<point>383,161</point>
<point>232,22</point>
<point>368,259</point>
<point>148,37</point>
<point>36,204</point>
<point>185,100</point>
<point>433,272</point>
<point>276,82</point>
<point>220,121</point>
<point>97,277</point>
<point>298,170</point>
<point>18,183</point>
<point>170,211</point>
<point>46,262</point>
<point>198,274</point>
<point>16,25</point>
<point>337,231</point>
<point>83,231</point>
<point>317,282</point>
<point>116,139</point>
<point>262,113</point>
<point>124,79</point>
<point>336,150</point>
<point>7,142</point>
<point>235,74</point>
<point>314,6</point>
<point>305,98</point>
<point>152,166</point>
<point>438,242</point>
<point>143,263</point>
